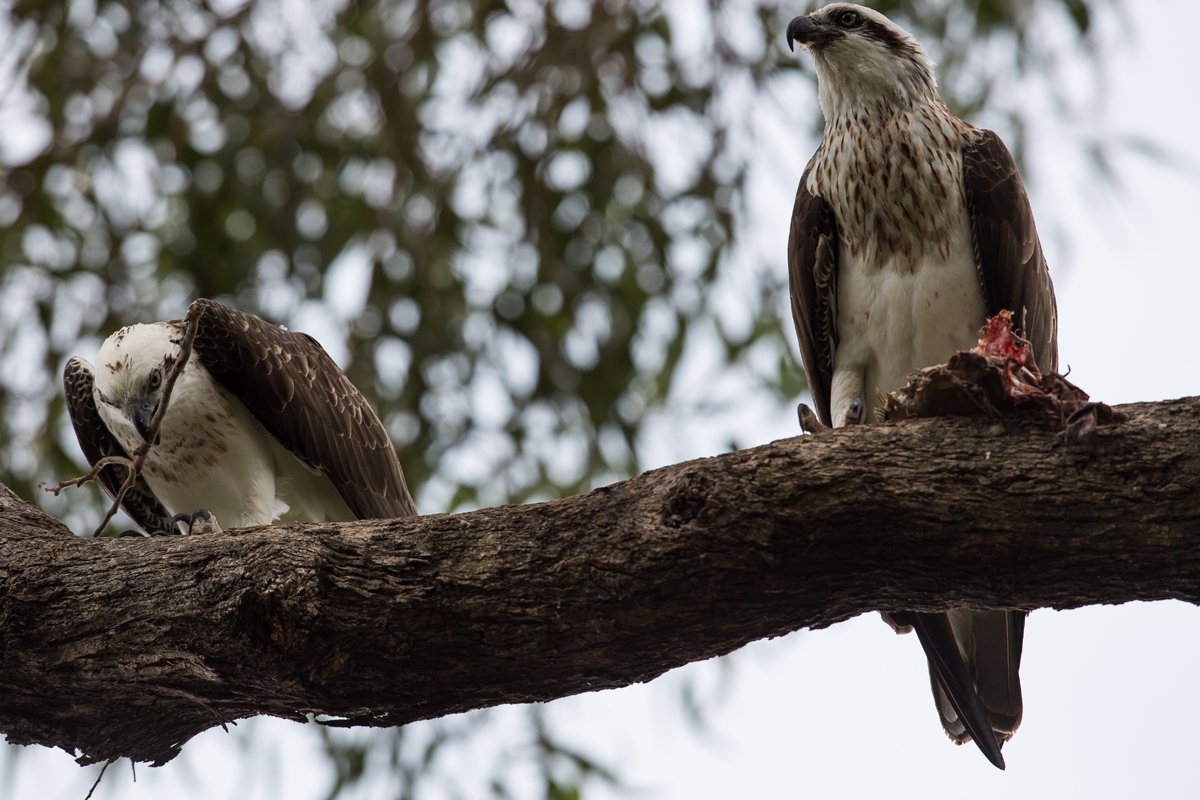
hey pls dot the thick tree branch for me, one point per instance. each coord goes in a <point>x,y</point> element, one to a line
<point>128,647</point>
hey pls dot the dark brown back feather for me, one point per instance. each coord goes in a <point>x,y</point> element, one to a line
<point>97,441</point>
<point>812,274</point>
<point>291,385</point>
<point>1007,249</point>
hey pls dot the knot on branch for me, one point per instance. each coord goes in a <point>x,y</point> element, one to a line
<point>259,618</point>
<point>685,501</point>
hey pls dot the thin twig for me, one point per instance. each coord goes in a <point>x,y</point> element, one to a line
<point>98,777</point>
<point>139,458</point>
<point>134,465</point>
<point>90,475</point>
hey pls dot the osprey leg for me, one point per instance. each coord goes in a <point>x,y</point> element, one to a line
<point>198,522</point>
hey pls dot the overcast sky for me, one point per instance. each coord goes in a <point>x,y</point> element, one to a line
<point>1111,693</point>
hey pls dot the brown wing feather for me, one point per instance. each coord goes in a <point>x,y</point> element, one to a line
<point>292,386</point>
<point>1007,249</point>
<point>97,441</point>
<point>812,274</point>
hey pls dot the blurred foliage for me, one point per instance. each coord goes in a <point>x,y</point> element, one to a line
<point>534,763</point>
<point>511,219</point>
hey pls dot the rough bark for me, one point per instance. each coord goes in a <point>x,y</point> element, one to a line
<point>128,647</point>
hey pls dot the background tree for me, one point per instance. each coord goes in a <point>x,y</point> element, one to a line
<point>516,225</point>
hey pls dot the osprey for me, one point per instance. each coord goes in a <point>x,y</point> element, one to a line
<point>911,228</point>
<point>262,426</point>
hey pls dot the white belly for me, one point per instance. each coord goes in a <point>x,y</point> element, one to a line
<point>210,455</point>
<point>892,321</point>
<point>254,482</point>
<point>214,455</point>
<point>236,480</point>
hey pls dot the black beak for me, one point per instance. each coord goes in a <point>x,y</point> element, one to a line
<point>140,415</point>
<point>802,30</point>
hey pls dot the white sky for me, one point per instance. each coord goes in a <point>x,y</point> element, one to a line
<point>846,712</point>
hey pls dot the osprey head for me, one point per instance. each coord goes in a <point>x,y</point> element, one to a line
<point>132,364</point>
<point>863,58</point>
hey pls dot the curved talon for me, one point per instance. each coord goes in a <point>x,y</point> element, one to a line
<point>199,521</point>
<point>204,522</point>
<point>856,411</point>
<point>173,527</point>
<point>145,534</point>
<point>809,422</point>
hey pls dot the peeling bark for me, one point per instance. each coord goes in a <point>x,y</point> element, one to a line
<point>129,647</point>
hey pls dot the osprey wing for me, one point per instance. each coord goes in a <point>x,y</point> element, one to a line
<point>97,441</point>
<point>291,385</point>
<point>812,274</point>
<point>1007,249</point>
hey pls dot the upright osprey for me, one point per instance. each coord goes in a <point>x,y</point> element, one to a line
<point>262,425</point>
<point>910,228</point>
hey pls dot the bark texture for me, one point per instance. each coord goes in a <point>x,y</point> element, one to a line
<point>128,647</point>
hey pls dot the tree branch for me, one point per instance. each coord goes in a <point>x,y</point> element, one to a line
<point>128,647</point>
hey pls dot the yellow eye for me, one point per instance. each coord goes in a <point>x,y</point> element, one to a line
<point>155,379</point>
<point>848,19</point>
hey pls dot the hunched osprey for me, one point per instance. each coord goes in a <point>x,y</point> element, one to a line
<point>910,228</point>
<point>262,426</point>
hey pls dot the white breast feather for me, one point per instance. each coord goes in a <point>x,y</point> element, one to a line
<point>909,292</point>
<point>891,322</point>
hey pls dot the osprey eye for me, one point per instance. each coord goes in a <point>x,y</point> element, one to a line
<point>155,379</point>
<point>848,19</point>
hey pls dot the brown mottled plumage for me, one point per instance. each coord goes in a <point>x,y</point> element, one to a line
<point>291,385</point>
<point>910,228</point>
<point>262,425</point>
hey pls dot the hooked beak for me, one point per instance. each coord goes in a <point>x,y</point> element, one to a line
<point>804,30</point>
<point>140,414</point>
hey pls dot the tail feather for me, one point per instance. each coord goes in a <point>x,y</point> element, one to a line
<point>974,657</point>
<point>994,655</point>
